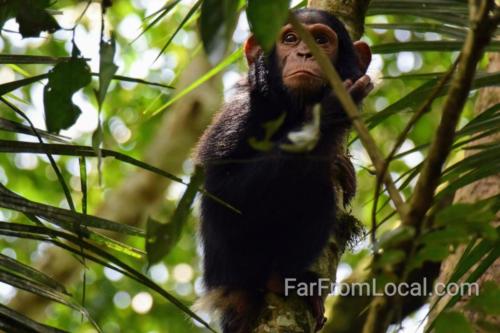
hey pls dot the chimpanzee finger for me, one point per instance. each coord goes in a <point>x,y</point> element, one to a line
<point>348,84</point>
<point>361,88</point>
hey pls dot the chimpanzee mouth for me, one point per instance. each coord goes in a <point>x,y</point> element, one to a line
<point>303,72</point>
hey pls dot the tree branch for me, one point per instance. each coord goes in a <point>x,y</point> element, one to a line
<point>477,38</point>
<point>402,137</point>
<point>382,308</point>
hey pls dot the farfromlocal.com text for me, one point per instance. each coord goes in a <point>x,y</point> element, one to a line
<point>370,288</point>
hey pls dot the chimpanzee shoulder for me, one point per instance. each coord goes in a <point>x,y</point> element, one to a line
<point>228,128</point>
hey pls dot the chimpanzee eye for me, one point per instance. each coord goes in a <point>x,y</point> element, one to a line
<point>290,38</point>
<point>321,39</point>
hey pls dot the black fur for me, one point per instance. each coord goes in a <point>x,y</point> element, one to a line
<point>287,200</point>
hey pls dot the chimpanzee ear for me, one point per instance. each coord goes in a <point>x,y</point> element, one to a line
<point>364,54</point>
<point>252,49</point>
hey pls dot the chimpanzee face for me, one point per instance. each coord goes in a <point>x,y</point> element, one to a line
<point>300,71</point>
<point>292,65</point>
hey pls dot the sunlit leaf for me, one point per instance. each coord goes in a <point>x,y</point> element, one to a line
<point>188,16</point>
<point>107,68</point>
<point>266,18</point>
<point>159,15</point>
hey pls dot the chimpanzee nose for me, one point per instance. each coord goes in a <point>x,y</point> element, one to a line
<point>303,51</point>
<point>304,54</point>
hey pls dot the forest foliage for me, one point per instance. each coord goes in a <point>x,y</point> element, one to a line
<point>83,87</point>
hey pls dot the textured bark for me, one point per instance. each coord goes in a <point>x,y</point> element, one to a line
<point>292,314</point>
<point>142,191</point>
<point>351,12</point>
<point>479,190</point>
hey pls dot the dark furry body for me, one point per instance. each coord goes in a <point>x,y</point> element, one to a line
<point>287,200</point>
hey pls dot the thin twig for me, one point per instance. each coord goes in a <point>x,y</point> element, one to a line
<point>402,137</point>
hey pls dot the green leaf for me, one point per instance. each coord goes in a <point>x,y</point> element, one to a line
<point>27,272</point>
<point>64,218</point>
<point>217,22</point>
<point>190,14</point>
<point>95,254</point>
<point>266,19</point>
<point>394,237</point>
<point>31,15</point>
<point>107,68</point>
<point>9,146</point>
<point>44,291</point>
<point>33,18</point>
<point>20,59</point>
<point>15,127</point>
<point>11,86</point>
<point>65,79</point>
<point>116,246</point>
<point>457,32</point>
<point>430,252</point>
<point>471,257</point>
<point>13,321</point>
<point>159,15</point>
<point>464,214</point>
<point>488,300</point>
<point>480,269</point>
<point>433,6</point>
<point>486,120</point>
<point>413,99</point>
<point>136,80</point>
<point>270,128</point>
<point>452,322</point>
<point>438,46</point>
<point>447,236</point>
<point>390,257</point>
<point>161,237</point>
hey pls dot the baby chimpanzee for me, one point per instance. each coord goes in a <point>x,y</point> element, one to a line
<point>287,199</point>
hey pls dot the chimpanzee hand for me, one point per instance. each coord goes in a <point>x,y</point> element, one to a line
<point>333,112</point>
<point>360,89</point>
